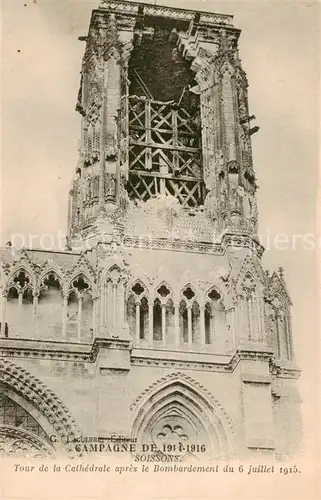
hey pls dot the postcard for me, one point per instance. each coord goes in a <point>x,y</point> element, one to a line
<point>158,272</point>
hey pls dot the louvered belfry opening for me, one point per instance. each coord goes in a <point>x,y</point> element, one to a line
<point>164,121</point>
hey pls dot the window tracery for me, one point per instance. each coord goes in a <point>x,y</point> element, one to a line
<point>138,311</point>
<point>250,307</point>
<point>14,415</point>
<point>79,309</point>
<point>278,324</point>
<point>189,316</point>
<point>214,316</point>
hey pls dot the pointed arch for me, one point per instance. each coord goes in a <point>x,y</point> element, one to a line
<point>80,282</point>
<point>80,307</point>
<point>137,281</point>
<point>253,267</point>
<point>83,266</point>
<point>112,53</point>
<point>278,318</point>
<point>249,289</point>
<point>178,400</point>
<point>51,268</point>
<point>19,292</point>
<point>276,285</point>
<point>189,314</point>
<point>216,332</point>
<point>212,289</point>
<point>194,289</point>
<point>22,426</point>
<point>21,267</point>
<point>41,399</point>
<point>227,67</point>
<point>22,260</point>
<point>113,270</point>
<point>164,283</point>
<point>138,303</point>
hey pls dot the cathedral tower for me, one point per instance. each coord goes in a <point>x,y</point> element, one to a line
<point>160,312</point>
<point>164,107</point>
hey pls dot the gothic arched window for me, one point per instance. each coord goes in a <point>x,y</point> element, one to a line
<point>49,307</point>
<point>138,311</point>
<point>19,315</point>
<point>163,315</point>
<point>80,309</point>
<point>214,318</point>
<point>189,316</point>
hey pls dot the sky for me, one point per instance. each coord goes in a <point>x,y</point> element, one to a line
<point>279,44</point>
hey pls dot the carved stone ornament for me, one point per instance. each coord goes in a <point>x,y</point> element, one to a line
<point>248,285</point>
<point>18,442</point>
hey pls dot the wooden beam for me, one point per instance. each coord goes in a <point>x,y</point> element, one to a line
<point>163,146</point>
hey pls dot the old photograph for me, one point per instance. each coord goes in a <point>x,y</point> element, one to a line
<point>158,256</point>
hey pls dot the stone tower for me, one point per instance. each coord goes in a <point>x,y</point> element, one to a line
<point>159,314</point>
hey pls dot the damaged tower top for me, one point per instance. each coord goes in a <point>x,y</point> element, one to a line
<point>165,127</point>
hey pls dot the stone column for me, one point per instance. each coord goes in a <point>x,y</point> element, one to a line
<point>108,309</point>
<point>233,326</point>
<point>163,307</point>
<point>202,325</point>
<point>290,338</point>
<point>80,300</point>
<point>213,327</point>
<point>283,337</point>
<point>228,113</point>
<point>94,327</point>
<point>243,320</point>
<point>277,322</point>
<point>176,324</point>
<point>64,316</point>
<point>120,307</point>
<point>101,189</point>
<point>229,341</point>
<point>150,322</point>
<point>34,314</point>
<point>102,306</point>
<point>114,305</point>
<point>189,325</point>
<point>3,302</point>
<point>250,309</point>
<point>18,322</point>
<point>262,328</point>
<point>236,322</point>
<point>109,118</point>
<point>258,319</point>
<point>137,304</point>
